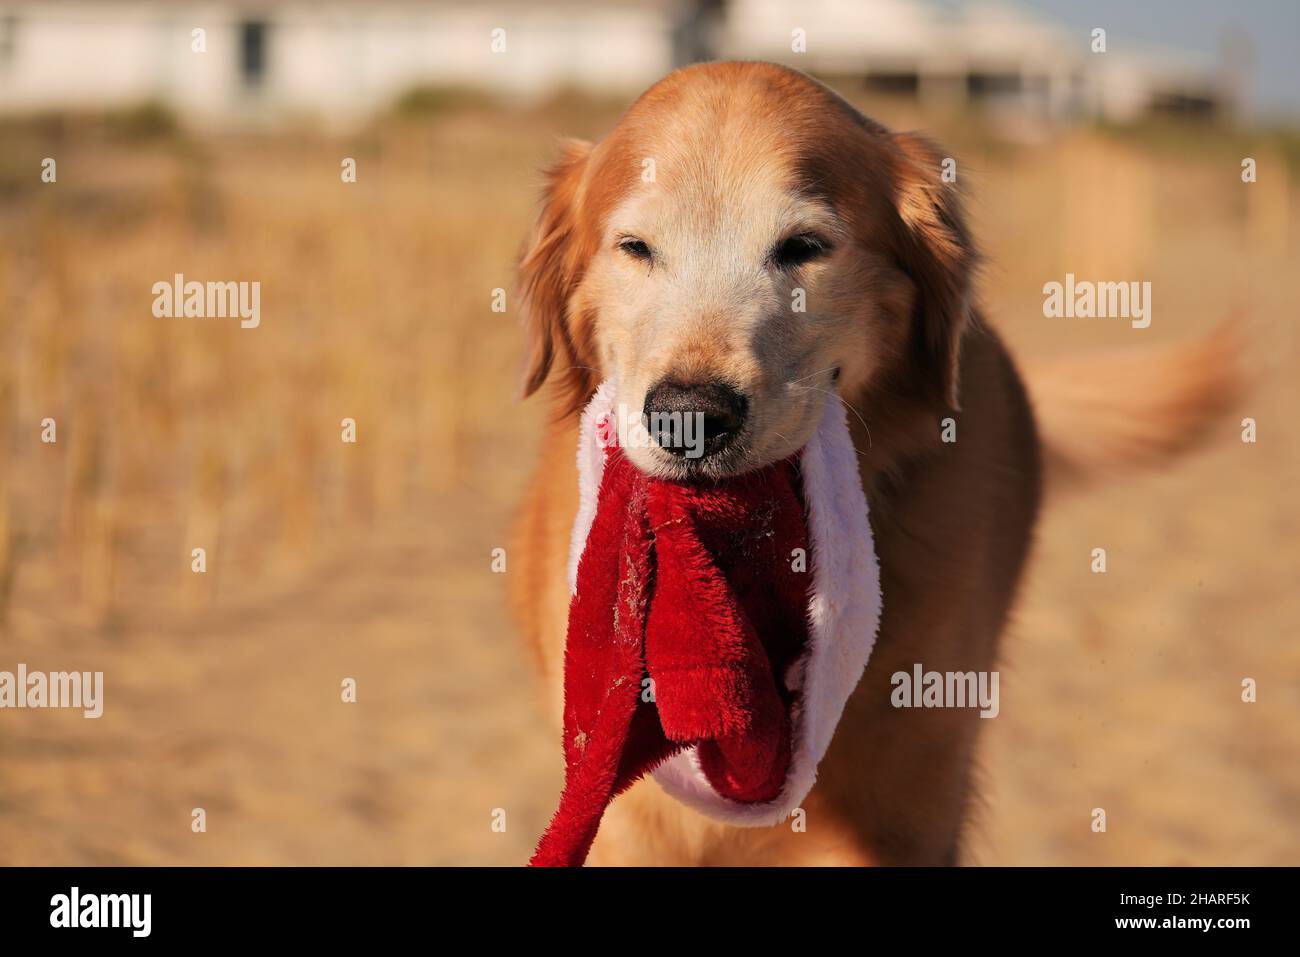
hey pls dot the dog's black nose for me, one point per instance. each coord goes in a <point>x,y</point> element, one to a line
<point>694,420</point>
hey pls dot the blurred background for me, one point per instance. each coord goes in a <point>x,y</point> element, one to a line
<point>218,155</point>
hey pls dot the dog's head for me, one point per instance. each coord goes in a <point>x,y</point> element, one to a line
<point>743,243</point>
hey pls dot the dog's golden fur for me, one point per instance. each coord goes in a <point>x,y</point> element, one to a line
<point>745,153</point>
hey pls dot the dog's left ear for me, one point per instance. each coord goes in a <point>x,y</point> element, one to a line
<point>935,249</point>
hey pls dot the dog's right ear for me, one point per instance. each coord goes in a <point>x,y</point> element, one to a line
<point>549,271</point>
<point>936,250</point>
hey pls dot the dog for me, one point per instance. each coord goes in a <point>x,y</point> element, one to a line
<point>674,256</point>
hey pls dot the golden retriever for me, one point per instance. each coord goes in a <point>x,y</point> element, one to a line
<point>672,252</point>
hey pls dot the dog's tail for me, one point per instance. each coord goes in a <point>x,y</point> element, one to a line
<point>1112,412</point>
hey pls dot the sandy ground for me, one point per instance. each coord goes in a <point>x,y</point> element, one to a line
<point>1119,691</point>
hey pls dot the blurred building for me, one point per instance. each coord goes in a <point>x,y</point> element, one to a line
<point>985,51</point>
<point>341,59</point>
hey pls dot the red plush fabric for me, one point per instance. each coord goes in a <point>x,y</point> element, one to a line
<point>691,586</point>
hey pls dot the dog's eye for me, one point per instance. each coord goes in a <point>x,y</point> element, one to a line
<point>635,248</point>
<point>799,249</point>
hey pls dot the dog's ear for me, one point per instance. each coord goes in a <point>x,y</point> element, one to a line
<point>549,271</point>
<point>935,249</point>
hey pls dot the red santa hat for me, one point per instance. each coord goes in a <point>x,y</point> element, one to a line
<point>701,649</point>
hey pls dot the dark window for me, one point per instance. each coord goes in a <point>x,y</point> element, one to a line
<point>1190,106</point>
<point>8,29</point>
<point>904,82</point>
<point>252,52</point>
<point>993,84</point>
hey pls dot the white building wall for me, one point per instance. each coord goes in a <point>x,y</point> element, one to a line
<point>843,35</point>
<point>338,60</point>
<point>100,53</point>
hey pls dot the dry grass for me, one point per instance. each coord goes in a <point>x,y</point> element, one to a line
<point>328,560</point>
